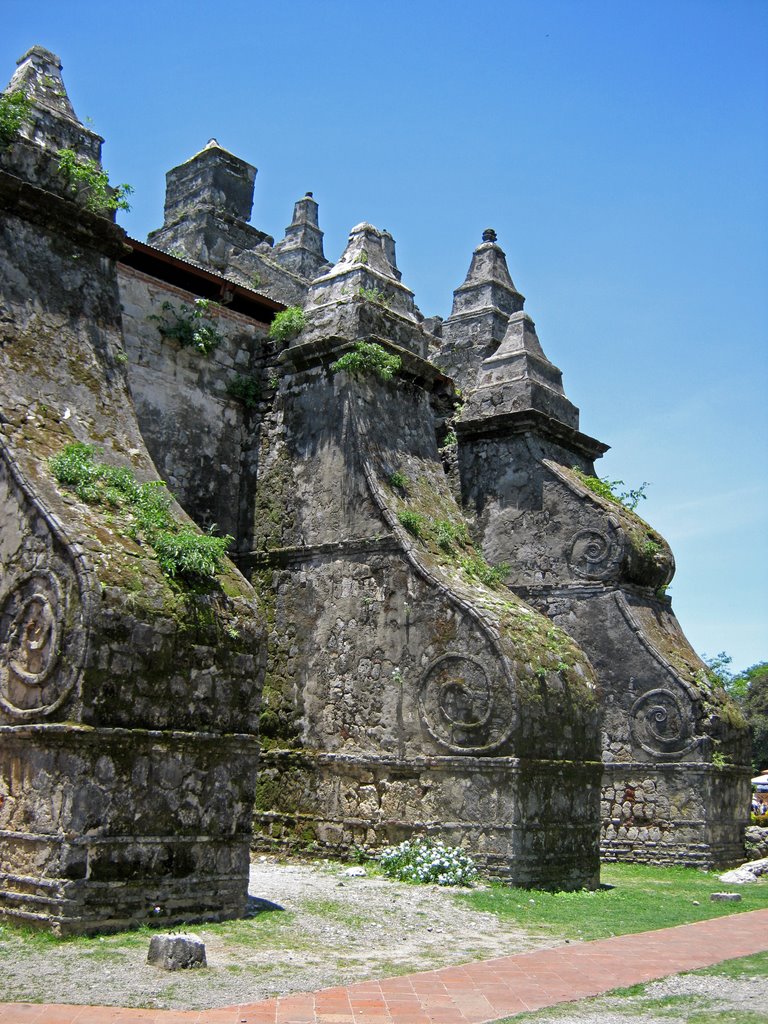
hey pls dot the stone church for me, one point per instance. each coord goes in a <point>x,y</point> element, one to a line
<point>432,619</point>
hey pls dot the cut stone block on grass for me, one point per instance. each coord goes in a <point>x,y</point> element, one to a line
<point>176,952</point>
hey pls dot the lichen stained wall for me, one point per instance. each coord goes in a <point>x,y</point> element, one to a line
<point>203,439</point>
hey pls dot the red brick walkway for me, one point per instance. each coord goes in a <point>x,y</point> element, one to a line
<point>470,994</point>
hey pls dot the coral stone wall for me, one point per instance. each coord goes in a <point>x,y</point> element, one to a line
<point>400,694</point>
<point>128,699</point>
<point>199,435</point>
<point>676,777</point>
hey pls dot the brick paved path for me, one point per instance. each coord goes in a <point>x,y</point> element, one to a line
<point>470,994</point>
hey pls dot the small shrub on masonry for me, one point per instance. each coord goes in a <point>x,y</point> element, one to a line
<point>15,111</point>
<point>414,522</point>
<point>612,489</point>
<point>181,551</point>
<point>81,172</point>
<point>448,533</point>
<point>476,567</point>
<point>373,295</point>
<point>244,389</point>
<point>288,324</point>
<point>187,325</point>
<point>368,357</point>
<point>428,860</point>
<point>190,554</point>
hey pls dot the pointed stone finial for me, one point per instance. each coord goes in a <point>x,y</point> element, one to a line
<point>301,250</point>
<point>305,212</point>
<point>389,251</point>
<point>38,75</point>
<point>487,282</point>
<point>55,125</point>
<point>519,378</point>
<point>361,296</point>
<point>482,306</point>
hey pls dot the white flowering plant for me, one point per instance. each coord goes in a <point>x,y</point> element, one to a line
<point>427,860</point>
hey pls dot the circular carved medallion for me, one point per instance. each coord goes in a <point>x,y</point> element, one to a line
<point>462,707</point>
<point>35,677</point>
<point>661,722</point>
<point>594,554</point>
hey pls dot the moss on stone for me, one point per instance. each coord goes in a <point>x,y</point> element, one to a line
<point>279,728</point>
<point>649,560</point>
<point>272,514</point>
<point>539,650</point>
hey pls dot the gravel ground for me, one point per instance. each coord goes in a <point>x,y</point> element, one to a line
<point>335,929</point>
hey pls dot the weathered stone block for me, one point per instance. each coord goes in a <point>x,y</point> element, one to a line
<point>176,952</point>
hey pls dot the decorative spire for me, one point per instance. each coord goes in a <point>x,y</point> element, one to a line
<point>361,297</point>
<point>38,75</point>
<point>56,126</point>
<point>518,378</point>
<point>212,179</point>
<point>482,306</point>
<point>301,250</point>
<point>487,284</point>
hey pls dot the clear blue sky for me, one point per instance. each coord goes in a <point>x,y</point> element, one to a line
<point>619,149</point>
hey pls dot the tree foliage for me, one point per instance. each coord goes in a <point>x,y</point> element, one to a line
<point>750,690</point>
<point>756,708</point>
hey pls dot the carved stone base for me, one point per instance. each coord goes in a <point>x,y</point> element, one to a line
<point>680,813</point>
<point>104,829</point>
<point>529,823</point>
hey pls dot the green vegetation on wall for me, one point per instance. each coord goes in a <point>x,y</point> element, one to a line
<point>749,690</point>
<point>244,389</point>
<point>368,358</point>
<point>181,551</point>
<point>82,173</point>
<point>188,326</point>
<point>611,489</point>
<point>287,325</point>
<point>430,517</point>
<point>15,112</point>
<point>375,295</point>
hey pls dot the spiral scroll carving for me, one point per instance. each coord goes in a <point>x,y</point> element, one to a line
<point>462,708</point>
<point>662,722</point>
<point>38,663</point>
<point>594,554</point>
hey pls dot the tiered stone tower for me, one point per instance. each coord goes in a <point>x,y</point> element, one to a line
<point>481,308</point>
<point>674,788</point>
<point>404,694</point>
<point>129,702</point>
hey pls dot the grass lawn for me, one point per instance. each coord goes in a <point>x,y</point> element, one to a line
<point>635,898</point>
<point>639,1003</point>
<point>329,931</point>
